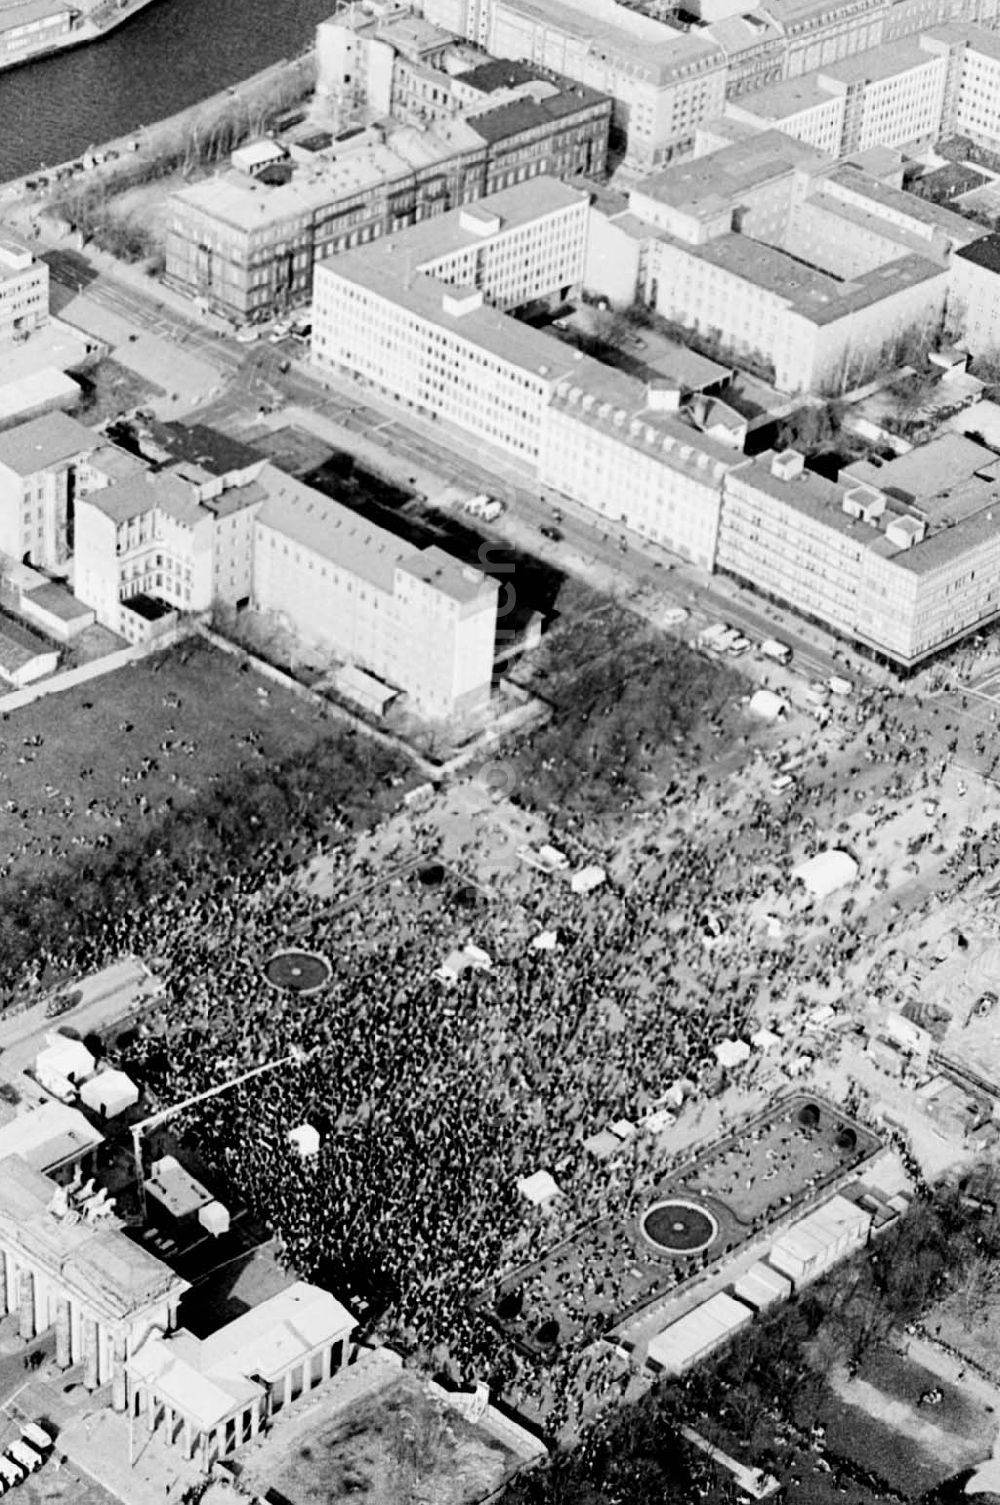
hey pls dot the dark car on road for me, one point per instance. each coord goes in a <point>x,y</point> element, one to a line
<point>552,533</point>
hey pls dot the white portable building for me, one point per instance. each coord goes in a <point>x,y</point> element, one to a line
<point>820,1239</point>
<point>695,1334</point>
<point>761,1286</point>
<point>109,1093</point>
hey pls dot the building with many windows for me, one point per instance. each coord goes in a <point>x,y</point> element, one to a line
<point>154,542</point>
<point>41,463</point>
<point>414,314</point>
<point>667,78</point>
<point>24,288</point>
<point>974,298</point>
<point>902,558</point>
<point>663,80</point>
<point>421,317</point>
<point>811,267</point>
<point>416,619</point>
<point>245,241</point>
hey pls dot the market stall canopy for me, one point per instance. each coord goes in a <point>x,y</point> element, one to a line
<point>826,872</point>
<point>767,705</point>
<point>538,1188</point>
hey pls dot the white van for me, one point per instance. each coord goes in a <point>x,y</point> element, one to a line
<point>839,686</point>
<point>774,648</point>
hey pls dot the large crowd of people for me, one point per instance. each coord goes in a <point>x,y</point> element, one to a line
<point>433,1099</point>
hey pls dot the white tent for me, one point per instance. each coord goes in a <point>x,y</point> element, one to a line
<point>305,1139</point>
<point>586,879</point>
<point>539,1188</point>
<point>622,1128</point>
<point>730,1053</point>
<point>214,1218</point>
<point>657,1121</point>
<point>765,1040</point>
<point>827,871</point>
<point>767,705</point>
<point>109,1093</point>
<point>546,940</point>
<point>63,1065</point>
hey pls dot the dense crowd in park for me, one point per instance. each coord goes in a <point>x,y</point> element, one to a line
<point>432,1099</point>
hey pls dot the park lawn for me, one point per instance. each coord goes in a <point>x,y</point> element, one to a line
<point>86,780</point>
<point>875,1421</point>
<point>974,1333</point>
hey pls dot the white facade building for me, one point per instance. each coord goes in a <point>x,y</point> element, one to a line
<point>974,298</point>
<point>40,464</point>
<point>416,619</point>
<point>24,288</point>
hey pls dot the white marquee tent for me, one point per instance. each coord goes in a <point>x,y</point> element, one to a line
<point>826,872</point>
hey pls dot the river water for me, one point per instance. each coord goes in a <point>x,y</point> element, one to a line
<point>167,57</point>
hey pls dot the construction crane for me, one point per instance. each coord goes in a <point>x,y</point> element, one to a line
<point>295,1057</point>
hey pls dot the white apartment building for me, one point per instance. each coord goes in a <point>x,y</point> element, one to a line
<point>39,466</point>
<point>903,559</point>
<point>978,108</point>
<point>616,446</point>
<point>24,288</point>
<point>666,81</point>
<point>392,315</point>
<point>663,80</point>
<point>158,543</point>
<point>784,255</point>
<point>887,96</point>
<point>974,298</point>
<point>416,619</point>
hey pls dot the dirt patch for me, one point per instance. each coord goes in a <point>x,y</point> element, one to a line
<point>393,1448</point>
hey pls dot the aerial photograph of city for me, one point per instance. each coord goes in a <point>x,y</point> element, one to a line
<point>500,752</point>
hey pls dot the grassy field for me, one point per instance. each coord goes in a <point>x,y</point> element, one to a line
<point>875,1420</point>
<point>99,765</point>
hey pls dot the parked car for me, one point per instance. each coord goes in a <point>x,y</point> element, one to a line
<point>248,335</point>
<point>551,533</point>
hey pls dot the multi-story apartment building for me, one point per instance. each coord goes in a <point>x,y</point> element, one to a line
<point>974,297</point>
<point>412,314</point>
<point>40,464</point>
<point>779,252</point>
<point>620,448</point>
<point>663,80</point>
<point>412,318</point>
<point>909,91</point>
<point>666,79</point>
<point>246,242</point>
<point>24,288</point>
<point>180,539</point>
<point>902,558</point>
<point>416,619</point>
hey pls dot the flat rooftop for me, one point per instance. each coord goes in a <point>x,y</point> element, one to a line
<point>817,295</point>
<point>656,52</point>
<point>444,234</point>
<point>881,62</point>
<point>950,477</point>
<point>787,97</point>
<point>210,448</point>
<point>497,122</point>
<point>359,546</point>
<point>708,182</point>
<point>45,441</point>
